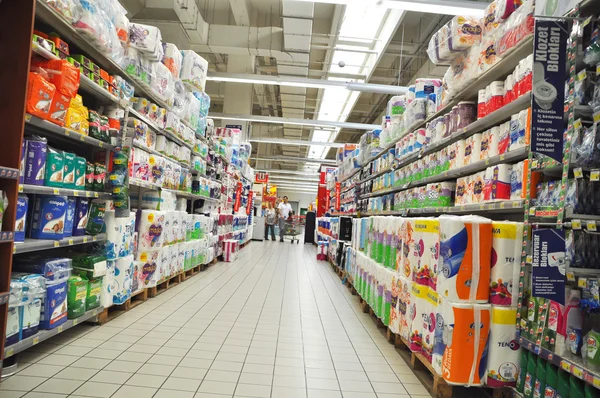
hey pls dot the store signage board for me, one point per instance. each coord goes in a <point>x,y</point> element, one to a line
<point>337,196</point>
<point>548,261</point>
<point>549,73</point>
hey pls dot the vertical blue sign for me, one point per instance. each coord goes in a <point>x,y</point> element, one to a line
<point>549,74</point>
<point>548,260</point>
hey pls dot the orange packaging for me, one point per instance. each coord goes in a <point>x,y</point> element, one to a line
<point>60,44</point>
<point>535,179</point>
<point>58,109</point>
<point>39,95</point>
<point>63,75</point>
<point>104,74</point>
<point>467,327</point>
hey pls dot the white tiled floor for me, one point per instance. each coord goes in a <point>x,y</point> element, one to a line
<point>276,323</point>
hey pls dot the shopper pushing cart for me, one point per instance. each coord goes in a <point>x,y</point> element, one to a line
<point>284,209</point>
<point>293,228</point>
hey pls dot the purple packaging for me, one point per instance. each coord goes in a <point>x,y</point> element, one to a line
<point>35,161</point>
<point>81,216</point>
<point>466,113</point>
<point>22,164</point>
<point>21,218</point>
<point>70,217</point>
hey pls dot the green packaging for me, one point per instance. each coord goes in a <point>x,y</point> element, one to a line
<point>551,381</point>
<point>563,386</point>
<point>99,177</point>
<point>591,392</point>
<point>80,172</point>
<point>591,344</point>
<point>76,294</point>
<point>94,264</point>
<point>89,176</point>
<point>69,170</point>
<point>576,389</point>
<point>540,378</point>
<point>55,163</point>
<point>94,288</point>
<point>95,223</point>
<point>530,377</point>
<point>523,370</point>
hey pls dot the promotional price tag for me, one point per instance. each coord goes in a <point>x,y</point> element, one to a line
<point>577,123</point>
<point>578,172</point>
<point>583,74</point>
<point>56,243</point>
<point>71,242</point>
<point>28,116</point>
<point>566,366</point>
<point>60,329</point>
<point>76,193</point>
<point>595,175</point>
<point>576,224</point>
<point>55,191</point>
<point>36,340</point>
<point>577,372</point>
<point>532,211</point>
<point>582,282</point>
<point>20,188</point>
<point>571,276</point>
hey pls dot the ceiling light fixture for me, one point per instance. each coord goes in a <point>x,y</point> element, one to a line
<point>447,7</point>
<point>305,83</point>
<point>296,142</point>
<point>295,122</point>
<point>295,160</point>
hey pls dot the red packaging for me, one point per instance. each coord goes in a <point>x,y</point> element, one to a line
<point>63,75</point>
<point>40,93</point>
<point>481,111</point>
<point>508,89</point>
<point>496,100</point>
<point>58,109</point>
<point>525,84</point>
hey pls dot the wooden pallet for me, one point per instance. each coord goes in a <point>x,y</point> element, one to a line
<point>114,311</point>
<point>165,284</point>
<point>192,271</point>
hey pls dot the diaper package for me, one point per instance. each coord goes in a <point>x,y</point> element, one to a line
<point>48,217</point>
<point>21,218</point>
<point>35,160</point>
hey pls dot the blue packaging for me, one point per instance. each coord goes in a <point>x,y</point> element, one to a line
<point>21,222</point>
<point>69,217</point>
<point>54,307</point>
<point>35,161</point>
<point>52,269</point>
<point>81,216</point>
<point>34,292</point>
<point>48,219</point>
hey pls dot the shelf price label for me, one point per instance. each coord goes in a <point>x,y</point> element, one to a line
<point>571,276</point>
<point>578,172</point>
<point>9,352</point>
<point>36,340</point>
<point>577,372</point>
<point>595,175</point>
<point>55,191</point>
<point>566,366</point>
<point>582,282</point>
<point>576,224</point>
<point>60,329</point>
<point>56,243</point>
<point>591,226</point>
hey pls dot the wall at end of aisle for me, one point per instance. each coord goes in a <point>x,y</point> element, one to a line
<point>303,199</point>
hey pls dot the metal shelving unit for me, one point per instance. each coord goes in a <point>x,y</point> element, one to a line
<point>34,245</point>
<point>43,335</point>
<point>43,190</point>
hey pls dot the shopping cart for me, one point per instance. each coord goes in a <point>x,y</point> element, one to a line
<point>293,228</point>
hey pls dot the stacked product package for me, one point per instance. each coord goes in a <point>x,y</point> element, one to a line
<point>448,286</point>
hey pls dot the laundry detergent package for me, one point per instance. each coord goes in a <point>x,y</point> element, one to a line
<point>21,218</point>
<point>80,172</point>
<point>35,160</point>
<point>55,168</point>
<point>76,295</point>
<point>81,217</point>
<point>70,217</point>
<point>48,217</point>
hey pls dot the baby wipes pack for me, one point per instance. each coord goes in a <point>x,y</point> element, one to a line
<point>48,217</point>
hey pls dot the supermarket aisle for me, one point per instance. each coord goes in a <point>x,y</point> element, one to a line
<point>276,323</point>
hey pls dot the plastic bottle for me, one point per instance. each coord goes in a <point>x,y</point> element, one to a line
<point>563,385</point>
<point>530,377</point>
<point>523,370</point>
<point>577,389</point>
<point>540,380</point>
<point>551,380</point>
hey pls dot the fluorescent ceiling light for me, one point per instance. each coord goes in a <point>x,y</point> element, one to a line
<point>283,141</point>
<point>289,179</point>
<point>294,160</point>
<point>295,122</point>
<point>447,7</point>
<point>294,172</point>
<point>342,84</point>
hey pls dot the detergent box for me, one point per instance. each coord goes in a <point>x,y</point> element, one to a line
<point>48,217</point>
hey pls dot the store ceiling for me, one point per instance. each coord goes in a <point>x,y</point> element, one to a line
<point>301,39</point>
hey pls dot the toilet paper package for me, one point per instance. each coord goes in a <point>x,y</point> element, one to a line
<point>106,294</point>
<point>396,286</point>
<point>472,149</point>
<point>407,240</point>
<point>406,302</point>
<point>500,188</point>
<point>466,331</point>
<point>504,138</point>
<point>465,256</point>
<point>122,283</point>
<point>151,267</point>
<point>172,59</point>
<point>174,258</point>
<point>506,262</point>
<point>429,323</point>
<point>415,316</point>
<point>462,187</point>
<point>193,69</point>
<point>489,143</point>
<point>457,154</point>
<point>165,260</point>
<point>504,355</point>
<point>151,229</point>
<point>478,184</point>
<point>519,130</point>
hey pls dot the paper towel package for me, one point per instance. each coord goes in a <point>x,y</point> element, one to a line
<point>472,149</point>
<point>465,256</point>
<point>122,283</point>
<point>151,229</point>
<point>439,345</point>
<point>457,154</point>
<point>489,143</point>
<point>466,331</point>
<point>429,323</point>
<point>504,355</point>
<point>478,190</point>
<point>506,262</point>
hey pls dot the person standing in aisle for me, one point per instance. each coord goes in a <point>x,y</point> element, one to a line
<point>270,220</point>
<point>284,212</point>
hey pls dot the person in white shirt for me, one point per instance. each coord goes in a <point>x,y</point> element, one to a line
<point>284,209</point>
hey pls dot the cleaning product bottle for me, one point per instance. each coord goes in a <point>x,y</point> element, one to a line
<point>523,370</point>
<point>551,381</point>
<point>576,390</point>
<point>530,376</point>
<point>563,385</point>
<point>591,392</point>
<point>540,380</point>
